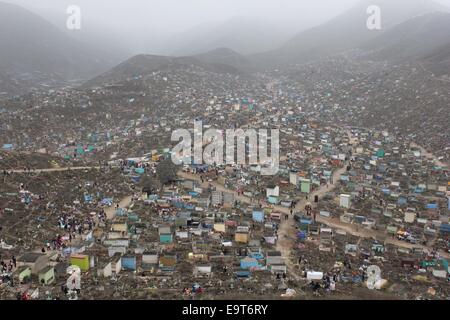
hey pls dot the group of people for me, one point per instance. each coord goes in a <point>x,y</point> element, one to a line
<point>23,296</point>
<point>196,289</point>
<point>75,225</point>
<point>55,244</point>
<point>327,283</point>
<point>279,276</point>
<point>310,211</point>
<point>101,215</point>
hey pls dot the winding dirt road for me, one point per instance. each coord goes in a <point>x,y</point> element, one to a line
<point>429,155</point>
<point>52,169</point>
<point>124,203</point>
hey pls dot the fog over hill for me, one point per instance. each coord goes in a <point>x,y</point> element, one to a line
<point>36,53</point>
<point>439,60</point>
<point>346,31</point>
<point>221,60</point>
<point>415,38</point>
<point>173,27</point>
<point>242,34</point>
<point>34,49</point>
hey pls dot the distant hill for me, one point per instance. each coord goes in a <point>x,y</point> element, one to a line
<point>438,61</point>
<point>242,34</point>
<point>413,39</point>
<point>227,57</point>
<point>8,86</point>
<point>32,48</point>
<point>346,31</point>
<point>11,84</point>
<point>221,60</point>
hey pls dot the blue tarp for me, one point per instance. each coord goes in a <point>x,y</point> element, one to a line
<point>249,263</point>
<point>135,179</point>
<point>402,201</point>
<point>305,221</point>
<point>272,200</point>
<point>243,274</point>
<point>301,235</point>
<point>444,263</point>
<point>207,225</point>
<point>165,238</point>
<point>129,263</point>
<point>178,204</point>
<point>27,198</point>
<point>200,167</point>
<point>107,201</point>
<point>67,251</point>
<point>7,146</point>
<point>445,228</point>
<point>258,216</point>
<point>432,206</point>
<point>120,212</point>
<point>139,170</point>
<point>256,255</point>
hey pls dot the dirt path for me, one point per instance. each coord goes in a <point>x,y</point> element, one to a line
<point>287,231</point>
<point>124,203</point>
<point>428,155</point>
<point>431,74</point>
<point>52,169</point>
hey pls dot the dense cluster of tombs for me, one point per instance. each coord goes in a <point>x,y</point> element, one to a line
<point>404,99</point>
<point>358,199</point>
<point>345,199</point>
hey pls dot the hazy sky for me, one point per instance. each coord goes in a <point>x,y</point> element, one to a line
<point>130,20</point>
<point>179,15</point>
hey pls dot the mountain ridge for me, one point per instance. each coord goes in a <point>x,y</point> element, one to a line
<point>345,31</point>
<point>221,60</point>
<point>33,48</point>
